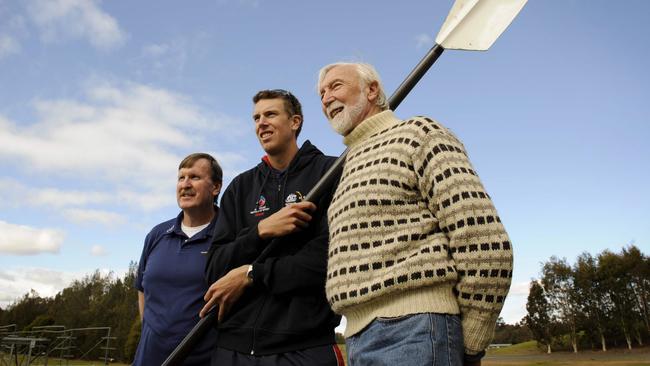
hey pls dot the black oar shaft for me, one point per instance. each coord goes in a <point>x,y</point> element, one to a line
<point>194,336</point>
<point>416,74</point>
<point>188,343</point>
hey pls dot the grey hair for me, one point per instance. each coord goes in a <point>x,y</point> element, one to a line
<point>367,74</point>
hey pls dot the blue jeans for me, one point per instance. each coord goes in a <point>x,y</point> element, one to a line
<point>417,339</point>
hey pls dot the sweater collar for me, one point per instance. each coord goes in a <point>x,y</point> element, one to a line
<point>370,126</point>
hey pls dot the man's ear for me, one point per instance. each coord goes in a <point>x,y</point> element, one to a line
<point>216,190</point>
<point>296,122</point>
<point>373,91</point>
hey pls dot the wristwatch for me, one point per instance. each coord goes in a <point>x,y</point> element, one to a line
<point>249,274</point>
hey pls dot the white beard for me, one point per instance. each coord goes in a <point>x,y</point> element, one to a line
<point>347,119</point>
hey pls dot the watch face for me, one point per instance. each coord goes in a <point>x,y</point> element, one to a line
<point>249,272</point>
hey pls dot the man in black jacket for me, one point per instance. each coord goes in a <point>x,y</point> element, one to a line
<point>274,311</point>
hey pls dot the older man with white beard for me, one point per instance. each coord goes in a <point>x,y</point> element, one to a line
<point>419,262</point>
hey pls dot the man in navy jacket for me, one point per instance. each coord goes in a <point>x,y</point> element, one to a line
<point>273,312</point>
<point>170,273</point>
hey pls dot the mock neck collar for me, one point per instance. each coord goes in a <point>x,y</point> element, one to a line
<point>370,126</point>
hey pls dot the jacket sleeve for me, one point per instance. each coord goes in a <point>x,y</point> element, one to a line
<point>307,267</point>
<point>478,242</point>
<point>233,245</point>
<point>142,264</point>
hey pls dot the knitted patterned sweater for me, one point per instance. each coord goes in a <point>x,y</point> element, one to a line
<point>413,231</point>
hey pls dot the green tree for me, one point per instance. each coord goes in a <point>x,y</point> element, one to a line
<point>121,304</point>
<point>511,334</point>
<point>591,295</point>
<point>539,317</point>
<point>617,281</point>
<point>559,283</point>
<point>132,339</point>
<point>23,311</point>
<point>40,321</point>
<point>96,300</point>
<point>638,268</point>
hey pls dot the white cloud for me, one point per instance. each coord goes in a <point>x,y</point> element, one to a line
<point>514,309</point>
<point>424,40</point>
<point>166,58</point>
<point>169,58</point>
<point>8,46</point>
<point>15,194</point>
<point>81,216</point>
<point>58,198</point>
<point>155,50</point>
<point>152,200</point>
<point>98,251</point>
<point>519,289</point>
<point>13,28</point>
<point>15,283</point>
<point>18,25</point>
<point>10,191</point>
<point>111,155</point>
<point>125,135</point>
<point>74,19</point>
<point>25,240</point>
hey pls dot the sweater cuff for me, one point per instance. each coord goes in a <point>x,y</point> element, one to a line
<point>474,358</point>
<point>478,329</point>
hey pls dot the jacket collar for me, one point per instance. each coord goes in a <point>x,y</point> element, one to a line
<point>304,155</point>
<point>176,229</point>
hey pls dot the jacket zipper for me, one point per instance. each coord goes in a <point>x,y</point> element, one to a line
<point>257,317</point>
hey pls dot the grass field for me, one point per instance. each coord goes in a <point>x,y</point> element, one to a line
<point>57,362</point>
<point>527,354</point>
<point>523,354</point>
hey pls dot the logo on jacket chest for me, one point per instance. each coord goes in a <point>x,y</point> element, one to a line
<point>293,198</point>
<point>260,207</point>
<point>261,204</point>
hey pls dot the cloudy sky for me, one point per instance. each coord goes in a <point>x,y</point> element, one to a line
<point>100,100</point>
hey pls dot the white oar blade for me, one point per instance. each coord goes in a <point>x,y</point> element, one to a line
<point>475,24</point>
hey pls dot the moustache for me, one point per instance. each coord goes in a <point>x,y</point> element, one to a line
<point>334,105</point>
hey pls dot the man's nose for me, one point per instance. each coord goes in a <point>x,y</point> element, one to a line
<point>262,121</point>
<point>327,99</point>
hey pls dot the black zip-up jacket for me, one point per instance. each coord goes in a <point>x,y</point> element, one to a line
<point>286,308</point>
